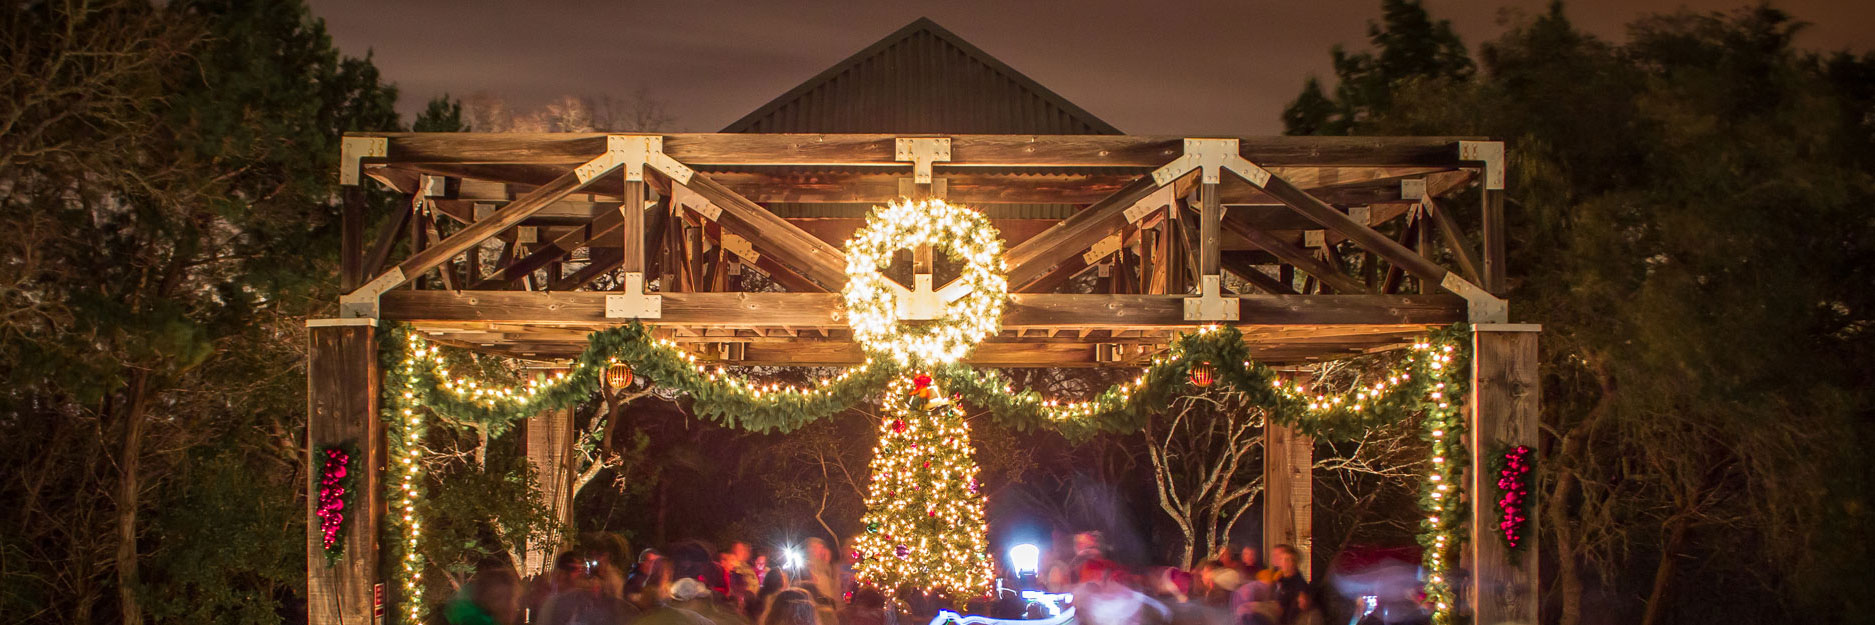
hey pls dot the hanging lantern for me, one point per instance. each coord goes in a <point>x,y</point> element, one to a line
<point>618,376</point>
<point>1202,374</point>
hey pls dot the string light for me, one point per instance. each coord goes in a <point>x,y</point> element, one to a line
<point>924,513</point>
<point>1417,386</point>
<point>872,302</point>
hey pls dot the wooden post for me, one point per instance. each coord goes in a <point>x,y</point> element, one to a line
<point>549,446</point>
<point>1288,493</point>
<point>632,246</point>
<point>342,408</point>
<point>1505,398</point>
<point>1211,215</point>
<point>1494,271</point>
<point>352,238</point>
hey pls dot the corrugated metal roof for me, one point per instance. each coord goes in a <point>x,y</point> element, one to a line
<point>922,79</point>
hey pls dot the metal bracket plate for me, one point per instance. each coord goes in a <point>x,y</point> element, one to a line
<point>633,153</point>
<point>1414,189</point>
<point>921,303</point>
<point>1162,197</point>
<point>363,302</point>
<point>352,150</point>
<point>1211,157</point>
<point>1491,153</point>
<point>921,152</point>
<point>694,201</point>
<point>1102,249</point>
<point>1481,305</point>
<point>740,247</point>
<point>634,303</point>
<point>1210,305</point>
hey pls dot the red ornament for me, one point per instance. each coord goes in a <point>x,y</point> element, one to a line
<point>921,381</point>
<point>1513,491</point>
<point>618,376</point>
<point>1202,374</point>
<point>898,425</point>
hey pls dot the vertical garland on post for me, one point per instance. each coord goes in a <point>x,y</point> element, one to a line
<point>1443,530</point>
<point>405,439</point>
<point>336,480</point>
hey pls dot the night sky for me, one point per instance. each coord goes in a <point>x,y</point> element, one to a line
<point>1154,67</point>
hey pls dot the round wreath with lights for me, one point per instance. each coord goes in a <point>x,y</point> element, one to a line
<point>872,300</point>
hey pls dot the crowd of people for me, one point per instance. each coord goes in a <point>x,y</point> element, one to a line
<point>735,585</point>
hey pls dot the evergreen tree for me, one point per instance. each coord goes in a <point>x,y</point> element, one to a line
<point>443,114</point>
<point>924,515</point>
<point>1408,46</point>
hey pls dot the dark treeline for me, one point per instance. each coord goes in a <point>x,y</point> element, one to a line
<point>1689,221</point>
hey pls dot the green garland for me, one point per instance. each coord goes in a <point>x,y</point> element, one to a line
<point>419,380</point>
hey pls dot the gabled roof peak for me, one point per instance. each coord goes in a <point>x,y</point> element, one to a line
<point>922,78</point>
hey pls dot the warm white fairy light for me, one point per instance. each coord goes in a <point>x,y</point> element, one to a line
<point>872,302</point>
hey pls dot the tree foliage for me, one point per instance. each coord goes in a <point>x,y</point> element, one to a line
<point>1688,222</point>
<point>166,171</point>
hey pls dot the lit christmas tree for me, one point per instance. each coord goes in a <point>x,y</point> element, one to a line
<point>924,515</point>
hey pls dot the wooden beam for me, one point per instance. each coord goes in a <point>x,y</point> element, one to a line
<point>1368,239</point>
<point>725,149</point>
<point>970,186</point>
<point>824,310</point>
<point>818,261</point>
<point>1039,255</point>
<point>1454,236</point>
<point>342,408</point>
<point>1258,279</point>
<point>1290,253</point>
<point>598,263</point>
<point>387,239</point>
<point>1506,397</point>
<point>427,259</point>
<point>603,225</point>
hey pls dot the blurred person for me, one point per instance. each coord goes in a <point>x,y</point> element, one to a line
<point>1307,612</point>
<point>820,570</point>
<point>758,567</point>
<point>1102,599</point>
<point>569,570</point>
<point>491,597</point>
<point>597,599</point>
<point>1254,603</point>
<point>1248,561</point>
<point>692,603</point>
<point>1172,586</point>
<point>1284,578</point>
<point>866,608</point>
<point>791,606</point>
<point>656,590</point>
<point>1215,583</point>
<point>641,570</point>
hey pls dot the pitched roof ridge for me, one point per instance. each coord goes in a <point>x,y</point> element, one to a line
<point>922,24</point>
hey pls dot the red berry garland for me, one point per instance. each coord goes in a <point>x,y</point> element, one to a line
<point>1513,488</point>
<point>335,481</point>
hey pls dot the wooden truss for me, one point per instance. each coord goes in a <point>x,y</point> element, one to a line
<point>1317,247</point>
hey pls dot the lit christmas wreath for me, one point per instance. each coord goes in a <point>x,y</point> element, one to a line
<point>872,302</point>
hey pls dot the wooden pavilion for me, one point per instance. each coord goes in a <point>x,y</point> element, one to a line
<point>1315,247</point>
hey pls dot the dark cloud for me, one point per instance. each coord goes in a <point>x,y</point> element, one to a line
<point>1155,67</point>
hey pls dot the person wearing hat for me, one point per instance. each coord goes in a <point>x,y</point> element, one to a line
<point>684,592</point>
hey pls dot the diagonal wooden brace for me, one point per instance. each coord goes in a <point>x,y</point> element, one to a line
<point>363,301</point>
